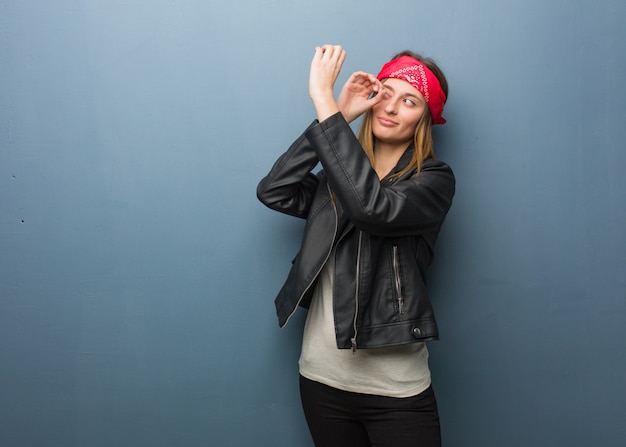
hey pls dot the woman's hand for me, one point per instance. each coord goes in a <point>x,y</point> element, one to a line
<point>359,94</point>
<point>325,68</point>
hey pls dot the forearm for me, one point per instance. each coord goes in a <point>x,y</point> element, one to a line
<point>290,184</point>
<point>345,163</point>
<point>325,105</point>
<point>409,205</point>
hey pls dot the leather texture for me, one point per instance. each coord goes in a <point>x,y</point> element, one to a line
<point>384,232</point>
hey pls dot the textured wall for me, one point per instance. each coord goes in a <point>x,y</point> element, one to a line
<point>137,269</point>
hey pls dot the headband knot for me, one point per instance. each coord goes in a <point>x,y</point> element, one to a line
<point>422,78</point>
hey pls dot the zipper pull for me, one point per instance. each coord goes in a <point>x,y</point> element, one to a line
<point>353,341</point>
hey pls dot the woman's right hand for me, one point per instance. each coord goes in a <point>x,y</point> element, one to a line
<point>360,93</point>
<point>325,68</point>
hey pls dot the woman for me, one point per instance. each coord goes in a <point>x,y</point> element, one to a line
<point>373,215</point>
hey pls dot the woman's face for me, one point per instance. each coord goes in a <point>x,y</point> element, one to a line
<point>395,118</point>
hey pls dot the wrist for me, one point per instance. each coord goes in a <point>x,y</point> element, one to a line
<point>321,94</point>
<point>349,117</point>
<point>325,106</point>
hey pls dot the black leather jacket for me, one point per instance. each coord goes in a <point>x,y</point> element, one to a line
<point>384,232</point>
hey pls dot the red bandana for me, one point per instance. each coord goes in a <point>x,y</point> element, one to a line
<point>420,77</point>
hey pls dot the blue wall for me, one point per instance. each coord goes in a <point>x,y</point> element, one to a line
<point>138,270</point>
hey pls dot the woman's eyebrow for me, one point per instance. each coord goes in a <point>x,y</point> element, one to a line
<point>414,96</point>
<point>388,87</point>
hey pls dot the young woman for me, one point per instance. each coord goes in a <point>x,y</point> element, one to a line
<point>373,214</point>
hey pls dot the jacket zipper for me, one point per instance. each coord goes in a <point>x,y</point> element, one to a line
<point>356,293</point>
<point>330,193</point>
<point>398,282</point>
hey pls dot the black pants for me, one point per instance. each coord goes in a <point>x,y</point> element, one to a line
<point>343,419</point>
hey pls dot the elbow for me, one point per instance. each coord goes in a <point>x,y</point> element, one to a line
<point>262,193</point>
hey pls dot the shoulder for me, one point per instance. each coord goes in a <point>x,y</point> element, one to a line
<point>435,164</point>
<point>435,175</point>
<point>434,167</point>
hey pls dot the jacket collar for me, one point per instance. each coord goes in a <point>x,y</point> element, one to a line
<point>404,161</point>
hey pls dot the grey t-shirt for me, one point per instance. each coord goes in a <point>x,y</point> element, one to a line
<point>397,371</point>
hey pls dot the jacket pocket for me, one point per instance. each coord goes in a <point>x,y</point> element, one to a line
<point>397,278</point>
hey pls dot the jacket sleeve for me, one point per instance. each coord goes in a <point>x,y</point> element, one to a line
<point>290,185</point>
<point>404,207</point>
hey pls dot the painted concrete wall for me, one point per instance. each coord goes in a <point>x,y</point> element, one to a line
<point>137,269</point>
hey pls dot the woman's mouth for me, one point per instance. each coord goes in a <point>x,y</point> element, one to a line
<point>386,122</point>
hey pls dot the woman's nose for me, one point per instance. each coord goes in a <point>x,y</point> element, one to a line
<point>391,107</point>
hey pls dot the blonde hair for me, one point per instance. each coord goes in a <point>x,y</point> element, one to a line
<point>422,138</point>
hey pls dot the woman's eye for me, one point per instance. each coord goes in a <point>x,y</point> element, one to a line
<point>409,102</point>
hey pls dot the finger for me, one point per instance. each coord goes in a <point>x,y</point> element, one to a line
<point>367,83</point>
<point>373,79</point>
<point>328,51</point>
<point>378,94</point>
<point>334,53</point>
<point>319,53</point>
<point>341,53</point>
<point>377,85</point>
<point>356,77</point>
<point>363,78</point>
